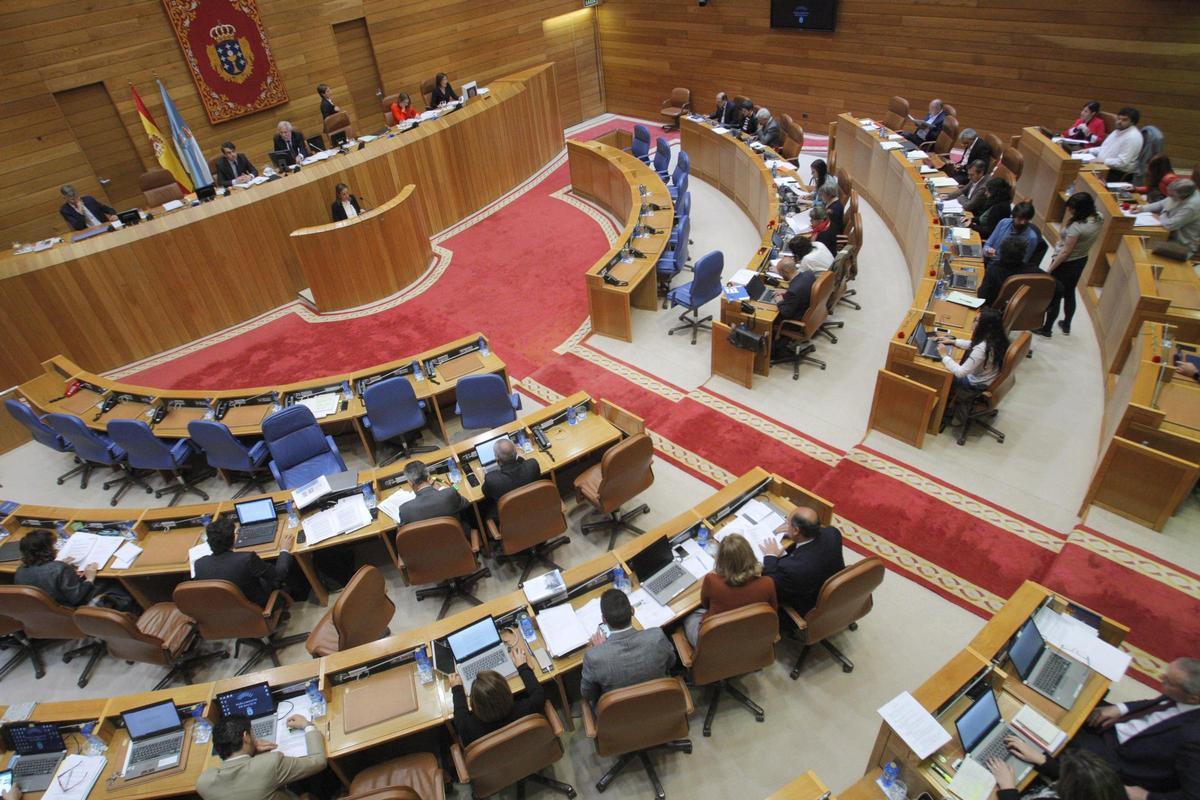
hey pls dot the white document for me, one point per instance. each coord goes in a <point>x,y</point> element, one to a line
<point>126,555</point>
<point>1143,219</point>
<point>928,170</point>
<point>786,180</point>
<point>720,129</point>
<point>590,616</point>
<point>391,506</point>
<point>891,146</point>
<point>195,554</point>
<point>289,742</point>
<point>917,155</point>
<point>895,137</point>
<point>1040,729</point>
<point>322,405</point>
<point>952,207</point>
<point>171,205</point>
<point>1084,157</point>
<point>1082,643</point>
<point>649,612</point>
<point>428,115</point>
<point>349,514</point>
<point>973,781</point>
<point>75,777</point>
<point>965,299</point>
<point>742,277</point>
<point>84,548</point>
<point>543,586</point>
<point>1119,186</point>
<point>916,726</point>
<point>694,550</point>
<point>944,182</point>
<point>310,492</point>
<point>1102,657</point>
<point>800,222</point>
<point>961,234</point>
<point>561,630</point>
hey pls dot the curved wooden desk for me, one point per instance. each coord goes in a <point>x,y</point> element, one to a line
<point>360,260</point>
<point>613,178</point>
<point>116,298</point>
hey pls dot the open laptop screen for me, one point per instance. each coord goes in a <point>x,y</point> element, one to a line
<point>976,721</point>
<point>919,337</point>
<point>1026,648</point>
<point>30,739</point>
<point>487,451</point>
<point>255,511</point>
<point>250,701</point>
<point>151,720</point>
<point>646,563</point>
<point>473,639</point>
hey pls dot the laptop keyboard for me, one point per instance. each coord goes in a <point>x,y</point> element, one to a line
<point>665,578</point>
<point>154,750</point>
<point>996,749</point>
<point>489,661</point>
<point>28,768</point>
<point>1052,674</point>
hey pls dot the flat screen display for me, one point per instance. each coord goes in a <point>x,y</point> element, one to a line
<point>807,15</point>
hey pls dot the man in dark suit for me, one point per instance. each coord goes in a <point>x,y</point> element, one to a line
<point>726,112</point>
<point>628,656</point>
<point>793,301</point>
<point>971,193</point>
<point>975,148</point>
<point>769,133</point>
<point>816,556</point>
<point>328,107</point>
<point>1154,745</point>
<point>255,577</point>
<point>513,473</point>
<point>928,128</point>
<point>233,167</point>
<point>84,212</point>
<point>289,139</point>
<point>430,501</point>
<point>749,122</point>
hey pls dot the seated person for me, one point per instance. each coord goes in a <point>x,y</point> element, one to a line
<point>768,133</point>
<point>1122,147</point>
<point>628,656</point>
<point>443,92</point>
<point>84,212</point>
<point>253,770</point>
<point>828,196</point>
<point>1078,775</point>
<point>1088,128</point>
<point>1154,745</point>
<point>492,703</point>
<point>997,206</point>
<point>403,109</point>
<point>749,123</point>
<point>736,581</point>
<point>971,194</point>
<point>1159,177</point>
<point>975,148</point>
<point>822,229</point>
<point>513,473</point>
<point>820,175</point>
<point>793,302</point>
<point>430,501</point>
<point>1018,224</point>
<point>985,351</point>
<point>928,128</point>
<point>289,139</point>
<point>1011,261</point>
<point>1179,213</point>
<point>815,556</point>
<point>808,254</point>
<point>345,205</point>
<point>328,108</point>
<point>70,585</point>
<point>726,112</point>
<point>233,167</point>
<point>255,577</point>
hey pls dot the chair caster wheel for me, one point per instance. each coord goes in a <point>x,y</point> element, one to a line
<point>708,733</point>
<point>822,367</point>
<point>794,674</point>
<point>60,481</point>
<point>760,718</point>
<point>853,626</point>
<point>847,669</point>
<point>795,377</point>
<point>81,683</point>
<point>1000,440</point>
<point>670,333</point>
<point>67,659</point>
<point>688,749</point>
<point>571,794</point>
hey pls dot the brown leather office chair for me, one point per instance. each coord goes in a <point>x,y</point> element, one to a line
<point>841,278</point>
<point>162,635</point>
<point>43,619</point>
<point>221,611</point>
<point>1015,306</point>
<point>530,521</point>
<point>633,721</point>
<point>844,600</point>
<point>1110,121</point>
<point>897,114</point>
<point>1010,165</point>
<point>949,109</point>
<point>338,128</point>
<point>427,91</point>
<point>517,753</point>
<point>212,166</point>
<point>360,615</point>
<point>974,408</point>
<point>730,644</point>
<point>795,343</point>
<point>623,473</point>
<point>12,637</point>
<point>845,187</point>
<point>386,104</point>
<point>675,106</point>
<point>159,186</point>
<point>946,139</point>
<point>438,551</point>
<point>412,777</point>
<point>995,145</point>
<point>854,246</point>
<point>1032,313</point>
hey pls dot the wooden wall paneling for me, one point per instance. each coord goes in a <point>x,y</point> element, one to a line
<point>104,141</point>
<point>571,44</point>
<point>357,57</point>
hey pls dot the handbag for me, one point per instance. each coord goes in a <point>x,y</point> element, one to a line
<point>743,338</point>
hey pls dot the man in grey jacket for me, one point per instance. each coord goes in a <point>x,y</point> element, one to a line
<point>628,656</point>
<point>769,133</point>
<point>253,770</point>
<point>430,501</point>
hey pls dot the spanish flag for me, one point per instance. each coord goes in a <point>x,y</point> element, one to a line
<point>163,150</point>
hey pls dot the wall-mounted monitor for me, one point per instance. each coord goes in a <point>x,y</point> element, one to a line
<point>805,15</point>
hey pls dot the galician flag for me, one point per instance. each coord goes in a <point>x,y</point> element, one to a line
<point>162,151</point>
<point>189,149</point>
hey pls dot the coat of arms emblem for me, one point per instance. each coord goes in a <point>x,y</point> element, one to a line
<point>230,54</point>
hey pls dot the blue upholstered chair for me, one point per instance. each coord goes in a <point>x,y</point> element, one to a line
<point>662,158</point>
<point>641,143</point>
<point>705,286</point>
<point>98,450</point>
<point>300,452</point>
<point>226,454</point>
<point>394,412</point>
<point>485,402</point>
<point>682,208</point>
<point>144,450</point>
<point>683,168</point>
<point>680,188</point>
<point>44,435</point>
<point>672,261</point>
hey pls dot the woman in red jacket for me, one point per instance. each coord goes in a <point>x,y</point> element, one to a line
<point>403,109</point>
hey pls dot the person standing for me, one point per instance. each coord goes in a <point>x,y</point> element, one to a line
<point>328,107</point>
<point>1080,230</point>
<point>345,205</point>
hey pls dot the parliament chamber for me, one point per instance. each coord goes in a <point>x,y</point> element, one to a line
<point>696,399</point>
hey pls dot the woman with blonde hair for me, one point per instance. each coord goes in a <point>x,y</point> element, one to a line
<point>736,581</point>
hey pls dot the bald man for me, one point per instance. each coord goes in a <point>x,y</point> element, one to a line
<point>928,128</point>
<point>800,572</point>
<point>514,472</point>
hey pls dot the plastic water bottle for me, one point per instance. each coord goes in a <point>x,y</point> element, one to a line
<point>455,475</point>
<point>60,528</point>
<point>621,580</point>
<point>368,495</point>
<point>526,627</point>
<point>891,784</point>
<point>484,350</point>
<point>418,373</point>
<point>205,519</point>
<point>93,745</point>
<point>346,390</point>
<point>523,441</point>
<point>702,537</point>
<point>293,517</point>
<point>201,727</point>
<point>316,700</point>
<point>571,418</point>
<point>127,532</point>
<point>424,668</point>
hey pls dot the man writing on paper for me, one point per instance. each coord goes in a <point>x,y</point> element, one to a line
<point>726,113</point>
<point>252,770</point>
<point>1179,213</point>
<point>627,656</point>
<point>1154,745</point>
<point>815,557</point>
<point>233,167</point>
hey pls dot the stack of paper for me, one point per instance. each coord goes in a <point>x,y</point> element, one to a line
<point>952,207</point>
<point>755,522</point>
<point>1042,731</point>
<point>972,781</point>
<point>801,222</point>
<point>322,405</point>
<point>742,277</point>
<point>590,616</point>
<point>545,586</point>
<point>391,506</point>
<point>348,514</point>
<point>917,155</point>
<point>720,129</point>
<point>561,630</point>
<point>310,492</point>
<point>649,612</point>
<point>961,234</point>
<point>289,742</point>
<point>786,180</point>
<point>917,727</point>
<point>944,182</point>
<point>84,549</point>
<point>1143,219</point>
<point>927,170</point>
<point>698,562</point>
<point>126,555</point>
<point>428,115</point>
<point>1084,157</point>
<point>75,777</point>
<point>891,146</point>
<point>1082,643</point>
<point>965,299</point>
<point>1119,186</point>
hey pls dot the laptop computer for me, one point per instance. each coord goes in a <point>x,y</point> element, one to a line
<point>39,748</point>
<point>659,573</point>
<point>478,647</point>
<point>254,702</point>
<point>257,521</point>
<point>983,731</point>
<point>967,279</point>
<point>487,453</point>
<point>926,345</point>
<point>758,290</point>
<point>1044,670</point>
<point>968,250</point>
<point>155,739</point>
<point>10,551</point>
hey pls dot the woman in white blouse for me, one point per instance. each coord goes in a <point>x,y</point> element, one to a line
<point>345,205</point>
<point>985,351</point>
